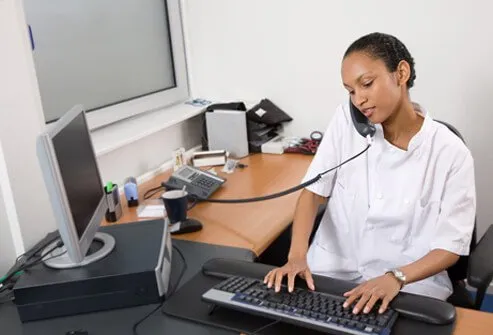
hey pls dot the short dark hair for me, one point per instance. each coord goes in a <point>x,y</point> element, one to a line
<point>387,48</point>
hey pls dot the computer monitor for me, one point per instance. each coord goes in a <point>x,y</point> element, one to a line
<point>72,177</point>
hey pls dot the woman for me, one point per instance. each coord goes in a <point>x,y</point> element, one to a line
<point>398,217</point>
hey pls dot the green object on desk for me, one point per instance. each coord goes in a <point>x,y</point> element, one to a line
<point>109,186</point>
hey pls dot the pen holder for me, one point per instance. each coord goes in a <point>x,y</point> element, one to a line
<point>114,211</point>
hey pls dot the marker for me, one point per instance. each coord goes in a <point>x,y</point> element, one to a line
<point>109,186</point>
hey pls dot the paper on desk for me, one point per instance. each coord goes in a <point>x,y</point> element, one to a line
<point>151,211</point>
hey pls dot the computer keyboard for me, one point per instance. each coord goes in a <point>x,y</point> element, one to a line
<point>310,309</point>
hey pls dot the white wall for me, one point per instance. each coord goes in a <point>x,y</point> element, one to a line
<point>7,245</point>
<point>24,195</point>
<point>7,249</point>
<point>290,51</point>
<point>149,153</point>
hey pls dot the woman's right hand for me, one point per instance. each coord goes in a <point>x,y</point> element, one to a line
<point>296,266</point>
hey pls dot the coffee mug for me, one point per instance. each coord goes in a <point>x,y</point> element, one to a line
<point>176,205</point>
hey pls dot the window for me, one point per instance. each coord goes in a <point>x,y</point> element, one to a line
<point>116,58</point>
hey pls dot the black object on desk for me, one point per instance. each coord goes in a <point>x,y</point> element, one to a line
<point>217,270</point>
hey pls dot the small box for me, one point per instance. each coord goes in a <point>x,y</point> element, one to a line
<point>274,146</point>
<point>209,158</point>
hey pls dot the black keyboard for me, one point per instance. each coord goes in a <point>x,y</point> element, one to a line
<point>310,309</point>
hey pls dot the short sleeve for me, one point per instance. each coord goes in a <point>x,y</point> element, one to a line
<point>327,156</point>
<point>458,209</point>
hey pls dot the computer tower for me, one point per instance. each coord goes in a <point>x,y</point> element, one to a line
<point>136,272</point>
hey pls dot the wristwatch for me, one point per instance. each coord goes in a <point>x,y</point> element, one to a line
<point>399,275</point>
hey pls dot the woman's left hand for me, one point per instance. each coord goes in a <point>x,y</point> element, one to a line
<point>383,288</point>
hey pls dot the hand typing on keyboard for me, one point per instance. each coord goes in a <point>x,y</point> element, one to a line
<point>381,289</point>
<point>317,310</point>
<point>296,266</point>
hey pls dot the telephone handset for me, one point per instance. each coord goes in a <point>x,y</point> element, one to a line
<point>361,122</point>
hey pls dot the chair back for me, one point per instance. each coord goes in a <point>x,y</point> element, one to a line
<point>458,271</point>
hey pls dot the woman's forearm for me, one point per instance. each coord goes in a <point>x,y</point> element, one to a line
<point>304,217</point>
<point>432,263</point>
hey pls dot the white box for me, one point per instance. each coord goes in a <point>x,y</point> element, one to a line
<point>209,158</point>
<point>227,130</point>
<point>274,146</point>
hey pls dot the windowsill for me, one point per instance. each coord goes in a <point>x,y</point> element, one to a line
<point>127,131</point>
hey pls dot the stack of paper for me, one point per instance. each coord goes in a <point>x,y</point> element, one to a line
<point>151,211</point>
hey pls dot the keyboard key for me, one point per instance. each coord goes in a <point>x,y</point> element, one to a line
<point>360,325</point>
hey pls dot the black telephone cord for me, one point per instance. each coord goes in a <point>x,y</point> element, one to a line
<point>286,192</point>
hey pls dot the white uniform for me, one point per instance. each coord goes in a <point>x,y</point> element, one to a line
<point>390,207</point>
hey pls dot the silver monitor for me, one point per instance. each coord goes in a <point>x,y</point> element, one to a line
<point>75,189</point>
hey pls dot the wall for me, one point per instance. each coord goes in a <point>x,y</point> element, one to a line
<point>7,246</point>
<point>24,194</point>
<point>290,51</point>
<point>149,153</point>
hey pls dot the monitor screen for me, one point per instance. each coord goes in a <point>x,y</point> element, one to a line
<point>79,171</point>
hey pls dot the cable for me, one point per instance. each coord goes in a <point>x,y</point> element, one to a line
<point>170,292</point>
<point>4,278</point>
<point>26,265</point>
<point>137,324</point>
<point>46,259</point>
<point>42,258</point>
<point>288,191</point>
<point>182,271</point>
<point>7,297</point>
<point>265,327</point>
<point>149,193</point>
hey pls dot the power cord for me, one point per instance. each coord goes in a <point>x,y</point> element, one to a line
<point>170,292</point>
<point>22,264</point>
<point>182,272</point>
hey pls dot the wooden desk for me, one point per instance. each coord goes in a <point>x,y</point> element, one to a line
<point>471,322</point>
<point>252,226</point>
<point>256,225</point>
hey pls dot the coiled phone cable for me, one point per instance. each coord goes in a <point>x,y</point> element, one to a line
<point>290,190</point>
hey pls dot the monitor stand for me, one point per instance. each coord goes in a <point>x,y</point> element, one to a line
<point>59,258</point>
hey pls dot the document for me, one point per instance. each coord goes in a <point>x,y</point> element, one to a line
<point>151,211</point>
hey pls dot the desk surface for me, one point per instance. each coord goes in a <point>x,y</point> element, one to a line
<point>473,322</point>
<point>255,226</point>
<point>252,226</point>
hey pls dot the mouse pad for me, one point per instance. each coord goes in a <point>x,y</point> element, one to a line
<point>187,304</point>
